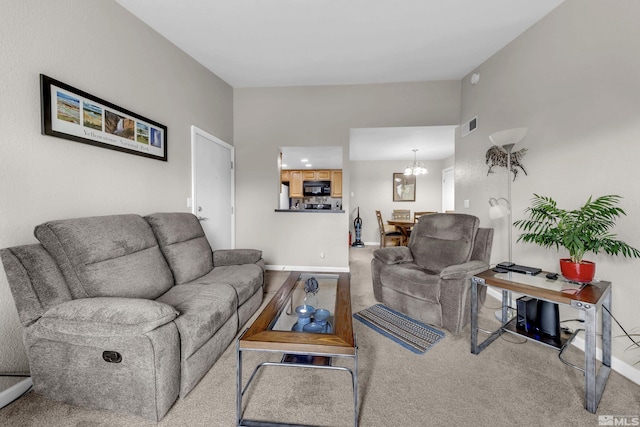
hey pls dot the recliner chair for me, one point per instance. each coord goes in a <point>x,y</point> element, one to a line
<point>429,280</point>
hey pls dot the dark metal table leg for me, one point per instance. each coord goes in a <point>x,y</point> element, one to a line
<point>475,347</point>
<point>595,381</point>
<point>238,383</point>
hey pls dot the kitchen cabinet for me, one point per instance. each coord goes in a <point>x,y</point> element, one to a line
<point>336,183</point>
<point>316,175</point>
<point>295,184</point>
<point>323,175</point>
<point>296,178</point>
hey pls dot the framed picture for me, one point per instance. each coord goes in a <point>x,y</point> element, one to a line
<point>72,114</point>
<point>404,188</point>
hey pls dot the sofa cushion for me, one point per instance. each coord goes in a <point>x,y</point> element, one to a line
<point>107,317</point>
<point>183,244</point>
<point>203,310</point>
<point>111,256</point>
<point>411,279</point>
<point>440,240</point>
<point>236,256</point>
<point>245,279</point>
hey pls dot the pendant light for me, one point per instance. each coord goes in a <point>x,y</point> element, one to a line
<point>415,168</point>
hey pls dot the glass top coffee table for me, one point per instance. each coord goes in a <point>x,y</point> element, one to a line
<point>309,321</point>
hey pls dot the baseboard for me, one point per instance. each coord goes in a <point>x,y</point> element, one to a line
<point>313,268</point>
<point>372,244</point>
<point>617,365</point>
<point>14,392</point>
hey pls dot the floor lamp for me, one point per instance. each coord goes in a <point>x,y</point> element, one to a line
<point>506,139</point>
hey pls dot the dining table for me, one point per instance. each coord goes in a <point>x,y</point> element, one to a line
<point>404,226</point>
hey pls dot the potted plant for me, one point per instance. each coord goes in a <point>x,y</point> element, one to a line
<point>582,230</point>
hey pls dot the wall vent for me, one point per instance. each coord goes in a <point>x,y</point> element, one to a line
<point>470,126</point>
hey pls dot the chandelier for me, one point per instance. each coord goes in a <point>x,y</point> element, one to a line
<point>415,168</point>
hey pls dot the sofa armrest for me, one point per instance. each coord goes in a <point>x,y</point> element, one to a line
<point>462,271</point>
<point>236,257</point>
<point>393,255</point>
<point>106,316</point>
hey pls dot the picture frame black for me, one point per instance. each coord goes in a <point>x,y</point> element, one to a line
<point>404,187</point>
<point>73,114</point>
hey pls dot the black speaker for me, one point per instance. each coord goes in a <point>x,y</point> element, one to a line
<point>527,312</point>
<point>548,319</point>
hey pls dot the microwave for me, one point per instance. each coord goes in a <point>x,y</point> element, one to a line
<point>316,188</point>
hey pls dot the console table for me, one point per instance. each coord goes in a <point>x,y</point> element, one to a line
<point>588,299</point>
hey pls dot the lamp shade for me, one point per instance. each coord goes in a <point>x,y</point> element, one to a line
<point>497,210</point>
<point>509,136</point>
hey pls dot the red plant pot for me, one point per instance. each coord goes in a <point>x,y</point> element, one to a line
<point>582,272</point>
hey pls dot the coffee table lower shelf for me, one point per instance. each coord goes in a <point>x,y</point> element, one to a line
<point>272,332</point>
<point>293,360</point>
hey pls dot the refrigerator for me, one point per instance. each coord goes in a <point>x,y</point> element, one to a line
<point>284,197</point>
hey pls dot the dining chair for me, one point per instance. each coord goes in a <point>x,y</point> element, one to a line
<point>385,234</point>
<point>417,215</point>
<point>402,214</point>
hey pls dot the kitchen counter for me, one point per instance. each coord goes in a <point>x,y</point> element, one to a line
<point>312,210</point>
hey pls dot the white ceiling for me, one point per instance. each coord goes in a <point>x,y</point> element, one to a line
<point>251,43</point>
<point>397,143</point>
<point>366,144</point>
<point>259,43</point>
<point>317,157</point>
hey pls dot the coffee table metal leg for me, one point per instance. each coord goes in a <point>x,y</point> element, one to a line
<point>354,378</point>
<point>240,388</point>
<point>238,383</point>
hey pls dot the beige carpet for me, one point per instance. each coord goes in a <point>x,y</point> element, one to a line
<point>509,383</point>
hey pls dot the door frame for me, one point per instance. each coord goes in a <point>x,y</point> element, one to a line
<point>195,131</point>
<point>445,170</point>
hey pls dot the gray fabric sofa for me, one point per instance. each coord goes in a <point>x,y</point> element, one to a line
<point>128,313</point>
<point>429,280</point>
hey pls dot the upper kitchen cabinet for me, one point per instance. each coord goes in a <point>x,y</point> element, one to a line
<point>295,184</point>
<point>336,183</point>
<point>297,178</point>
<point>316,175</point>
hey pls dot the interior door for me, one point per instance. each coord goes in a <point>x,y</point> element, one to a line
<point>213,188</point>
<point>448,190</point>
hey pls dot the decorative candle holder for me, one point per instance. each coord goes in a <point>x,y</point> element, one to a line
<point>320,317</point>
<point>304,313</point>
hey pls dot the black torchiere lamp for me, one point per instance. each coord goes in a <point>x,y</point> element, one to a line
<point>357,225</point>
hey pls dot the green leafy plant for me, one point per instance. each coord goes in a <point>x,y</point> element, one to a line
<point>582,230</point>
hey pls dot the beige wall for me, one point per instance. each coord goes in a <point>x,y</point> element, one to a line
<point>267,118</point>
<point>371,185</point>
<point>99,47</point>
<point>572,79</point>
